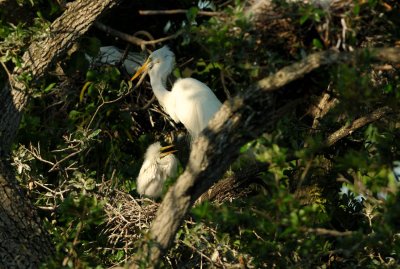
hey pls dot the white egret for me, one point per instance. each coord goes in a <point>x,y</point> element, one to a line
<point>156,168</point>
<point>190,101</point>
<point>111,55</point>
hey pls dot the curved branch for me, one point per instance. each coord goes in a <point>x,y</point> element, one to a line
<point>133,39</point>
<point>357,124</point>
<point>239,120</point>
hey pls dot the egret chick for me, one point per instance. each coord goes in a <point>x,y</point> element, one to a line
<point>156,168</point>
<point>190,101</point>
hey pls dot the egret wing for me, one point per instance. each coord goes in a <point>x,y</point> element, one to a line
<point>148,180</point>
<point>169,166</point>
<point>196,104</point>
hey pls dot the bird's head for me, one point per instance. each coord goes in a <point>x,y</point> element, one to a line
<point>160,61</point>
<point>155,151</point>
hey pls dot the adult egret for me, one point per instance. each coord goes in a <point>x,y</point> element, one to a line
<point>156,168</point>
<point>190,101</point>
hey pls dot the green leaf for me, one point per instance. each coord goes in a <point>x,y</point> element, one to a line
<point>74,115</point>
<point>317,43</point>
<point>91,75</point>
<point>94,133</point>
<point>89,184</point>
<point>356,9</point>
<point>304,18</point>
<point>388,88</point>
<point>49,87</point>
<point>191,14</point>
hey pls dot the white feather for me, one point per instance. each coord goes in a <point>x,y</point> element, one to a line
<point>154,171</point>
<point>190,101</point>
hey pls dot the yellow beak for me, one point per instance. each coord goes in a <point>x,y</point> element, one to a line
<point>142,69</point>
<point>163,154</point>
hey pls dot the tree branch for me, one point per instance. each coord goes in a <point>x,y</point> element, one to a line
<point>235,186</point>
<point>239,120</point>
<point>131,38</point>
<point>357,124</point>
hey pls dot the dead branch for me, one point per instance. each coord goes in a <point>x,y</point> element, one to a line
<point>239,120</point>
<point>319,110</point>
<point>131,38</point>
<point>127,218</point>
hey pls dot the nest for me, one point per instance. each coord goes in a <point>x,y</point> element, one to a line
<point>128,218</point>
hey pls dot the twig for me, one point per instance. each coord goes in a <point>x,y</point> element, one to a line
<point>55,193</point>
<point>324,105</point>
<point>117,99</point>
<point>55,166</point>
<point>199,252</point>
<point>36,153</point>
<point>178,11</point>
<point>145,106</point>
<point>133,39</point>
<point>227,93</point>
<point>47,208</point>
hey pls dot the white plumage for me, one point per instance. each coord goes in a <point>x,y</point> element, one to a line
<point>111,55</point>
<point>190,101</point>
<point>156,168</point>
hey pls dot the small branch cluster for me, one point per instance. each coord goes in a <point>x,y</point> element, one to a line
<point>128,218</point>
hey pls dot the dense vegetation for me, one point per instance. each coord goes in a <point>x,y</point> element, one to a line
<point>83,135</point>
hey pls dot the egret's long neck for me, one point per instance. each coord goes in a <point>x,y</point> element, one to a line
<point>157,81</point>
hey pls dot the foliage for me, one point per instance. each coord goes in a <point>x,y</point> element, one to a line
<point>84,132</point>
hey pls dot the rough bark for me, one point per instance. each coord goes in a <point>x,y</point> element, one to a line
<point>23,243</point>
<point>321,108</point>
<point>240,119</point>
<point>238,185</point>
<point>235,186</point>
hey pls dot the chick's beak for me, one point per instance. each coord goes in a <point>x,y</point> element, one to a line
<point>163,154</point>
<point>142,69</point>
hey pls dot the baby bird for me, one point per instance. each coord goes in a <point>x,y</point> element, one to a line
<point>156,168</point>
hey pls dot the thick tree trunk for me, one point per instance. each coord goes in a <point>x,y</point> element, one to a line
<point>23,242</point>
<point>239,120</point>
